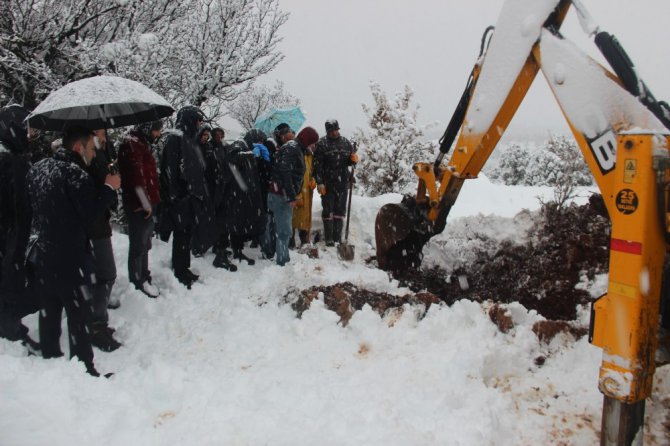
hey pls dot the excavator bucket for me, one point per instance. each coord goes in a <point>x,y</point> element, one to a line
<point>400,236</point>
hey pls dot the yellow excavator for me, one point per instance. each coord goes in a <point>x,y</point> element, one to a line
<point>623,133</point>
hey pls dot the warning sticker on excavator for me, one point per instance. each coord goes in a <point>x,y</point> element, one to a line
<point>630,170</point>
<point>626,201</point>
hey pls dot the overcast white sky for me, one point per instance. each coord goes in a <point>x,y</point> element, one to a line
<point>335,48</point>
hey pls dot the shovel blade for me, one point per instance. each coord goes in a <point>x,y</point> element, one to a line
<point>345,252</point>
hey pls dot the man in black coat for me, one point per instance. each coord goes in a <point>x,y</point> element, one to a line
<point>16,301</point>
<point>64,202</point>
<point>184,195</point>
<point>332,158</point>
<point>285,185</point>
<point>243,200</point>
<point>217,174</point>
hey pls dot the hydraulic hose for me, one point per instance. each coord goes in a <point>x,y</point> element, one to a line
<point>456,121</point>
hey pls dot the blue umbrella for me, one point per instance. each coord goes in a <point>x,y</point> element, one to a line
<point>268,121</point>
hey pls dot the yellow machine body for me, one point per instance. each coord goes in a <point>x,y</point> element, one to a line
<point>630,167</point>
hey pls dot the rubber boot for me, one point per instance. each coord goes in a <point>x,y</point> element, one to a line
<point>237,254</point>
<point>328,232</point>
<point>186,277</point>
<point>101,336</point>
<point>337,230</point>
<point>291,241</point>
<point>222,261</point>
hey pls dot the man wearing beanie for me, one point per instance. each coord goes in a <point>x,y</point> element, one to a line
<point>332,158</point>
<point>285,186</point>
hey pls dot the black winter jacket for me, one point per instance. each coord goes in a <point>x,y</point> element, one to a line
<point>332,157</point>
<point>289,169</point>
<point>99,169</point>
<point>64,202</point>
<point>243,203</point>
<point>216,172</point>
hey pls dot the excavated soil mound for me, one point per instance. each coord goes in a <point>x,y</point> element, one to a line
<point>541,274</point>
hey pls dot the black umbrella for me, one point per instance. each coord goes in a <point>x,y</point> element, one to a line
<point>99,102</point>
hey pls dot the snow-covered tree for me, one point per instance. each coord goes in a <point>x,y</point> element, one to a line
<point>40,41</point>
<point>200,52</point>
<point>391,145</point>
<point>258,99</point>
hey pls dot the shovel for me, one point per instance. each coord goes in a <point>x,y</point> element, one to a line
<point>345,251</point>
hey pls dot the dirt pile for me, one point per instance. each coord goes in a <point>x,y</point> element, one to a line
<point>345,298</point>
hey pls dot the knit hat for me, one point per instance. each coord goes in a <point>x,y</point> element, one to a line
<point>307,136</point>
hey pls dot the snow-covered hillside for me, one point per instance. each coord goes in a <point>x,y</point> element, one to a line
<point>228,363</point>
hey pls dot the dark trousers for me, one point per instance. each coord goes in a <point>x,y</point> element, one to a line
<point>237,242</point>
<point>222,243</point>
<point>140,230</point>
<point>104,267</point>
<point>268,237</point>
<point>181,249</point>
<point>334,203</point>
<point>77,310</point>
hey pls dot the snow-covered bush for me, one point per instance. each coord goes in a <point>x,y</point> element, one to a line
<point>391,145</point>
<point>511,169</point>
<point>557,163</point>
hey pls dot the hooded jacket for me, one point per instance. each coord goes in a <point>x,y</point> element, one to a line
<point>15,212</point>
<point>182,172</point>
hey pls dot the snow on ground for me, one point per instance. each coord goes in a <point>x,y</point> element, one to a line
<point>228,363</point>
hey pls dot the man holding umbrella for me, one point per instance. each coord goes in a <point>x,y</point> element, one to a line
<point>64,202</point>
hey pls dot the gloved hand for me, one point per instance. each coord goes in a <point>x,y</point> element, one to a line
<point>260,151</point>
<point>354,158</point>
<point>312,183</point>
<point>321,188</point>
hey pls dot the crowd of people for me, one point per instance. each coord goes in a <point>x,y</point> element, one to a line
<point>185,185</point>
